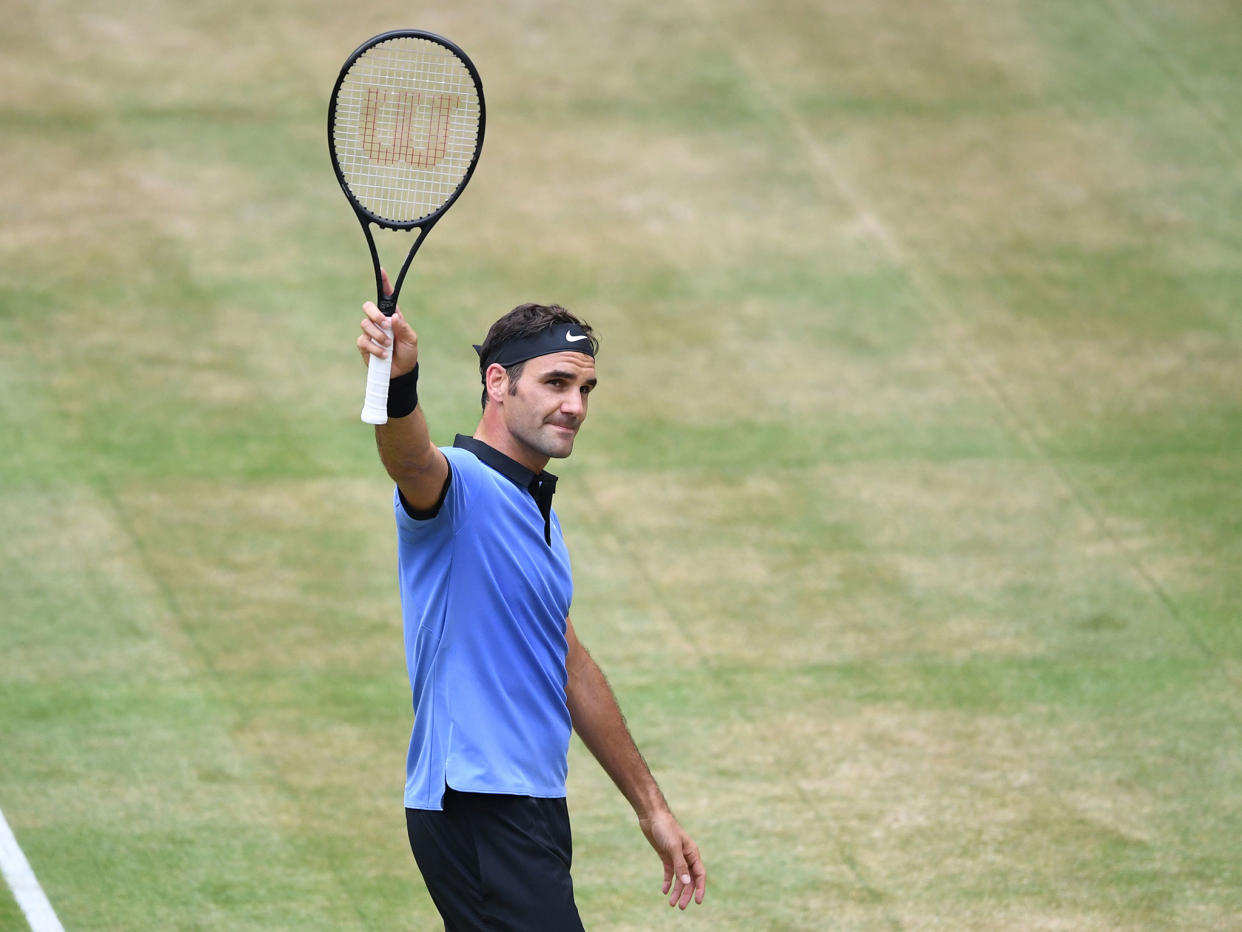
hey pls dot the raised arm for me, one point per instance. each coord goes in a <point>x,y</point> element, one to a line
<point>405,448</point>
<point>599,723</point>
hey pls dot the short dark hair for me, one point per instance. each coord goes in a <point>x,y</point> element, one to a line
<point>526,320</point>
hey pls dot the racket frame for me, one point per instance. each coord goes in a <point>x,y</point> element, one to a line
<point>387,303</point>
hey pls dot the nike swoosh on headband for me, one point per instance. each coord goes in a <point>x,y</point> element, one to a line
<point>574,338</point>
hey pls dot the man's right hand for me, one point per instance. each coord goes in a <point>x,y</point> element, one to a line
<point>374,340</point>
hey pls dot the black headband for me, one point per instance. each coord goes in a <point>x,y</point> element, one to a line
<point>558,338</point>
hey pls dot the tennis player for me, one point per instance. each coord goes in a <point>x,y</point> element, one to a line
<point>498,675</point>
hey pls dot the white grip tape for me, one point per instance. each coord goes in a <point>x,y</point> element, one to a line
<point>375,405</point>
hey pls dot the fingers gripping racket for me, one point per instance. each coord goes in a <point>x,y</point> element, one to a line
<point>405,127</point>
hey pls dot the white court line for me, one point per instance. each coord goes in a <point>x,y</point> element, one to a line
<point>25,886</point>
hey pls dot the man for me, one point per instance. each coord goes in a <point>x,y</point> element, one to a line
<point>498,674</point>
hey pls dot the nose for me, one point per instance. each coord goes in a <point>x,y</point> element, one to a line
<point>575,405</point>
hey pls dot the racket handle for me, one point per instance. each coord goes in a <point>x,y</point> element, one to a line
<point>375,405</point>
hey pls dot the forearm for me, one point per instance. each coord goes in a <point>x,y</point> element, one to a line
<point>599,723</point>
<point>404,442</point>
<point>404,445</point>
<point>411,459</point>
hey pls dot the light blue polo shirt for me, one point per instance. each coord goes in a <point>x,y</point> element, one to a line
<point>484,599</point>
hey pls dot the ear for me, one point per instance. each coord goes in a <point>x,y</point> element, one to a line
<point>496,381</point>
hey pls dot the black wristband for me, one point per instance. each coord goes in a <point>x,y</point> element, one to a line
<point>403,393</point>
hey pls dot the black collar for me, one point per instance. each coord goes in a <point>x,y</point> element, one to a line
<point>540,485</point>
<point>510,468</point>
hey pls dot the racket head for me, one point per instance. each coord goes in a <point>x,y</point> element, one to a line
<point>405,127</point>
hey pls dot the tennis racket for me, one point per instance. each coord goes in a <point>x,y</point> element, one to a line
<point>405,128</point>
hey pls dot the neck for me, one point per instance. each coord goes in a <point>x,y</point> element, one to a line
<point>492,432</point>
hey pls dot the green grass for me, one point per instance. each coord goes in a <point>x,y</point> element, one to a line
<point>906,525</point>
<point>11,916</point>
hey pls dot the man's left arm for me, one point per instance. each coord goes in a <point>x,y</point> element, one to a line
<point>599,723</point>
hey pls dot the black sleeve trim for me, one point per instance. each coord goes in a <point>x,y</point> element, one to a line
<point>426,514</point>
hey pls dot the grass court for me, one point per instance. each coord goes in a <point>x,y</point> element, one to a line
<point>907,523</point>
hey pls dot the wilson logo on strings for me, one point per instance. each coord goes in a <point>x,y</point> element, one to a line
<point>402,126</point>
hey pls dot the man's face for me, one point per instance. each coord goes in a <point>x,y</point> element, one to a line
<point>546,405</point>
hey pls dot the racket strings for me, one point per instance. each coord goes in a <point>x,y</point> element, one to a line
<point>406,128</point>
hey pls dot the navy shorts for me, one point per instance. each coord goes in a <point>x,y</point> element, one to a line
<point>497,862</point>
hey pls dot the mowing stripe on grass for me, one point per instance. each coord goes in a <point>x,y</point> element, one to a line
<point>833,184</point>
<point>1219,124</point>
<point>25,886</point>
